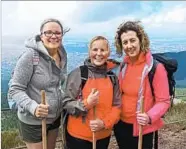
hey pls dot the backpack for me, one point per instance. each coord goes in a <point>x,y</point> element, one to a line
<point>170,65</point>
<point>35,60</point>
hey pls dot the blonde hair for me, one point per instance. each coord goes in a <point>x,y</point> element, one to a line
<point>98,38</point>
<point>141,34</point>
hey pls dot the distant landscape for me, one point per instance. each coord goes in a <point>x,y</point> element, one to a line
<point>77,52</point>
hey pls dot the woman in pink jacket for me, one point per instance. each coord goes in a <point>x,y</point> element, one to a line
<point>134,84</point>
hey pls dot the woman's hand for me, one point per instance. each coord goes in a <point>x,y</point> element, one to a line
<point>93,98</point>
<point>41,110</point>
<point>143,118</point>
<point>96,125</point>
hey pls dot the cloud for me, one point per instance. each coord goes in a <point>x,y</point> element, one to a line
<point>89,18</point>
<point>174,15</point>
<point>96,11</point>
<point>170,21</point>
<point>26,16</point>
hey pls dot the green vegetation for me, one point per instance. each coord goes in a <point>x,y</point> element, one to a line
<point>10,139</point>
<point>4,102</point>
<point>177,113</point>
<point>181,92</point>
<point>9,121</point>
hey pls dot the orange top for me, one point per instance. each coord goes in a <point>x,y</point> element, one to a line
<point>130,88</point>
<point>79,129</point>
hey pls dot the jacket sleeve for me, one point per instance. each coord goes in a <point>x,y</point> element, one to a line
<point>161,92</point>
<point>114,115</point>
<point>70,102</point>
<point>19,82</point>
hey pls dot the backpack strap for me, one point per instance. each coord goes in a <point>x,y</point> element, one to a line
<point>151,77</point>
<point>84,75</point>
<point>84,78</point>
<point>151,74</point>
<point>112,77</point>
<point>122,64</point>
<point>35,57</point>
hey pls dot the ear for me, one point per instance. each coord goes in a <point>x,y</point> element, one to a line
<point>41,37</point>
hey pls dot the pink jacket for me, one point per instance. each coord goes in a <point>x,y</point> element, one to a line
<point>155,108</point>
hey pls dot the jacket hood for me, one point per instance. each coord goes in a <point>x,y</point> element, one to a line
<point>148,60</point>
<point>112,64</point>
<point>108,66</point>
<point>36,44</point>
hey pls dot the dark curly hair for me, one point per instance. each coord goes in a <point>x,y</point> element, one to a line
<point>132,26</point>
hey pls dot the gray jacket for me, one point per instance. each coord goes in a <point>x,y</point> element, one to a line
<point>28,81</point>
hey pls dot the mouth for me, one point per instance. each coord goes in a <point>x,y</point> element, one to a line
<point>54,41</point>
<point>131,51</point>
<point>99,59</point>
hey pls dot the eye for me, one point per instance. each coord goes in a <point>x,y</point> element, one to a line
<point>124,42</point>
<point>102,50</point>
<point>95,49</point>
<point>133,40</point>
<point>58,33</point>
<point>48,32</point>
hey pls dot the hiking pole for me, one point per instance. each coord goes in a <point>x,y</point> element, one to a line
<point>94,133</point>
<point>140,138</point>
<point>44,139</point>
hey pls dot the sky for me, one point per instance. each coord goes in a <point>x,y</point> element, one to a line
<point>90,18</point>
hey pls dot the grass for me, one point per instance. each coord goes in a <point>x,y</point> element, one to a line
<point>10,139</point>
<point>177,113</point>
<point>181,92</point>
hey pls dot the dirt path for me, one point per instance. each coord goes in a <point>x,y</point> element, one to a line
<point>170,137</point>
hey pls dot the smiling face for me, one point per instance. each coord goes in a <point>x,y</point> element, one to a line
<point>131,44</point>
<point>51,35</point>
<point>99,52</point>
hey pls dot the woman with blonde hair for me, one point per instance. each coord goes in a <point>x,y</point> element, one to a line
<point>135,86</point>
<point>95,106</point>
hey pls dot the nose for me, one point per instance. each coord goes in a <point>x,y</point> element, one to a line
<point>99,52</point>
<point>129,45</point>
<point>53,36</point>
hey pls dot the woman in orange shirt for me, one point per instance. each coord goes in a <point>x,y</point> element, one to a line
<point>107,99</point>
<point>134,84</point>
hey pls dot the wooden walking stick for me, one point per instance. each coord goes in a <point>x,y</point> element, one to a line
<point>140,138</point>
<point>94,133</point>
<point>44,138</point>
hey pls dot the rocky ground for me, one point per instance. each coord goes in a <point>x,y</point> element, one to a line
<point>170,137</point>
